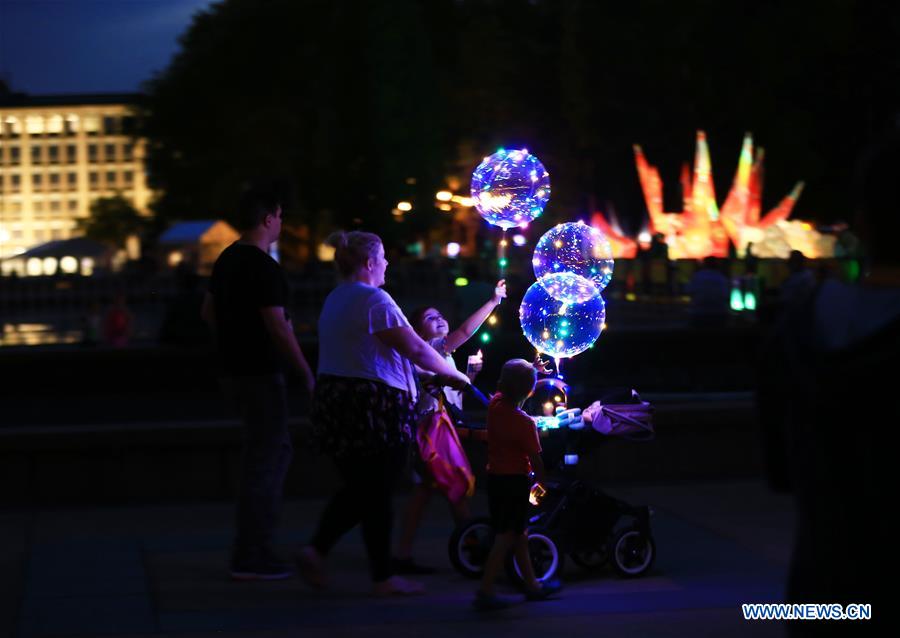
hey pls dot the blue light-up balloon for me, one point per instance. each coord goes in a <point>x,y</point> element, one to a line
<point>510,188</point>
<point>557,328</point>
<point>575,248</point>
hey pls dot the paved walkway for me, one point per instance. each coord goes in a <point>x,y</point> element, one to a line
<point>160,570</point>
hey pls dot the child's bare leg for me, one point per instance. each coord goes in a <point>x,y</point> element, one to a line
<point>411,519</point>
<point>460,511</point>
<point>523,560</point>
<point>499,550</point>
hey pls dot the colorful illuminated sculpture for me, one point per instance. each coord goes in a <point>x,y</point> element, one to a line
<point>702,229</point>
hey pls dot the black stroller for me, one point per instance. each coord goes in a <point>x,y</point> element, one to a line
<point>570,517</point>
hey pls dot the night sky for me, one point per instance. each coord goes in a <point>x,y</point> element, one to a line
<point>88,46</point>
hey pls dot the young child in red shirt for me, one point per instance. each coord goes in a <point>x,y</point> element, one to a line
<point>514,450</point>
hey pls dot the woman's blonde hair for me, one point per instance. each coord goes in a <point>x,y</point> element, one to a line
<point>517,379</point>
<point>352,250</point>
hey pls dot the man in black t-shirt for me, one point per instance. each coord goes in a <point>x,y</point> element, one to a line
<point>246,307</point>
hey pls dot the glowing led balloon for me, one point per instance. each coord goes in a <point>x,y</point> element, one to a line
<point>575,248</point>
<point>557,328</point>
<point>569,287</point>
<point>510,188</point>
<point>548,394</point>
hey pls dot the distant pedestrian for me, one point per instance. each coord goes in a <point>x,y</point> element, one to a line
<point>710,293</point>
<point>246,308</point>
<point>118,322</point>
<point>514,450</point>
<point>363,407</point>
<point>799,282</point>
<point>91,325</point>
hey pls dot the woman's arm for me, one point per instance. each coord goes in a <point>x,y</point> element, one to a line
<point>468,327</point>
<point>404,340</point>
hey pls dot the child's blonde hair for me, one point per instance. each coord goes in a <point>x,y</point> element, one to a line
<point>517,379</point>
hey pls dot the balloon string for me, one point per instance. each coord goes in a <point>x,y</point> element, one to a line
<point>501,255</point>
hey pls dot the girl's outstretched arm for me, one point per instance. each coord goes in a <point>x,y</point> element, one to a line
<point>468,327</point>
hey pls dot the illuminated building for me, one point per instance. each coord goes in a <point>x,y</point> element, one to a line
<point>59,154</point>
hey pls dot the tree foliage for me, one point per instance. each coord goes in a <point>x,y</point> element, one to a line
<point>362,104</point>
<point>111,221</point>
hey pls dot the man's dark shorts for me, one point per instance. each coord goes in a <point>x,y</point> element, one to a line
<point>508,502</point>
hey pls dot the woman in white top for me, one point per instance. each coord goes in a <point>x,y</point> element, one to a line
<point>363,406</point>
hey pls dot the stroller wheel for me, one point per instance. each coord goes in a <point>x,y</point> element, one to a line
<point>590,559</point>
<point>546,559</point>
<point>632,551</point>
<point>469,546</point>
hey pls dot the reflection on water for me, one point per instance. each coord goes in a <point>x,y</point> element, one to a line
<point>68,327</point>
<point>37,334</point>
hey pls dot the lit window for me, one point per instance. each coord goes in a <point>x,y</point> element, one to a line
<point>13,127</point>
<point>68,265</point>
<point>34,266</point>
<point>55,124</point>
<point>49,264</point>
<point>54,206</point>
<point>91,124</point>
<point>71,124</point>
<point>34,124</point>
<point>38,207</point>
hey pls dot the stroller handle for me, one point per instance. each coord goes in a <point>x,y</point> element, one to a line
<point>469,390</point>
<point>476,394</point>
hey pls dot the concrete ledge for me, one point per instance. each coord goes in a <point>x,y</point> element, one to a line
<point>191,460</point>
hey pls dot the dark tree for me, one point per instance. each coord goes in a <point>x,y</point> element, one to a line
<point>363,104</point>
<point>112,221</point>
